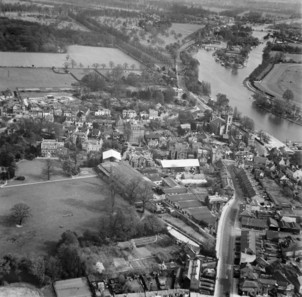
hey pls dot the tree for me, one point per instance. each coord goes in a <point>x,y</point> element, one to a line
<point>72,265</point>
<point>279,106</point>
<point>95,65</point>
<point>133,66</point>
<point>263,136</point>
<point>260,100</point>
<point>20,212</point>
<point>48,169</point>
<point>144,194</point>
<point>103,65</point>
<point>73,63</point>
<point>288,95</point>
<point>296,158</point>
<point>206,88</point>
<point>111,64</point>
<point>125,65</point>
<point>81,65</point>
<point>68,167</point>
<point>235,68</point>
<point>247,123</point>
<point>94,81</point>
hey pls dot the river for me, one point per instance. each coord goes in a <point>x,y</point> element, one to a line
<point>223,81</point>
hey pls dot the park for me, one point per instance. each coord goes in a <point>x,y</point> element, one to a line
<point>61,204</point>
<point>281,78</point>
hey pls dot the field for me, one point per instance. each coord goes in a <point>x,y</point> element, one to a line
<point>283,77</point>
<point>87,55</point>
<point>73,204</point>
<point>185,29</point>
<point>296,57</point>
<point>47,20</point>
<point>33,78</point>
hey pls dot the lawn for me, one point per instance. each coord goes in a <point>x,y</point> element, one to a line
<point>32,171</point>
<point>33,78</point>
<point>283,77</point>
<point>56,207</point>
<point>87,55</point>
<point>185,29</point>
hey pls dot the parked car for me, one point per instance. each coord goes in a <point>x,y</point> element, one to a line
<point>21,177</point>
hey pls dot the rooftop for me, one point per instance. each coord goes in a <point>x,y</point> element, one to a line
<point>76,287</point>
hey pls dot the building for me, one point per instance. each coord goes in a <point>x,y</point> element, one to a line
<point>219,126</point>
<point>111,155</point>
<point>93,145</point>
<point>251,223</point>
<point>103,112</point>
<point>179,151</point>
<point>187,163</point>
<point>76,287</point>
<point>49,147</point>
<point>129,113</point>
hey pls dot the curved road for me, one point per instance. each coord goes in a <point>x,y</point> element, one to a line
<point>225,245</point>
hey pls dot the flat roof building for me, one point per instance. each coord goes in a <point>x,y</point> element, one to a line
<point>76,287</point>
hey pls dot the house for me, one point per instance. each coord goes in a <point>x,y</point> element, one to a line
<point>178,151</point>
<point>92,145</point>
<point>76,287</point>
<point>129,113</point>
<point>95,133</point>
<point>137,133</point>
<point>144,115</point>
<point>111,155</point>
<point>103,112</point>
<point>49,147</point>
<point>153,114</point>
<point>141,159</point>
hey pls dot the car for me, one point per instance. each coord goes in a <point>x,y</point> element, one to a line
<point>21,177</point>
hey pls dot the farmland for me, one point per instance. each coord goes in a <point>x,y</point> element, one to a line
<point>281,78</point>
<point>86,55</point>
<point>76,205</point>
<point>33,78</point>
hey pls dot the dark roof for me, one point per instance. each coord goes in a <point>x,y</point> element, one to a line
<point>189,203</point>
<point>182,197</point>
<point>272,234</point>
<point>260,160</point>
<point>257,223</point>
<point>170,182</point>
<point>175,190</point>
<point>217,121</point>
<point>202,214</point>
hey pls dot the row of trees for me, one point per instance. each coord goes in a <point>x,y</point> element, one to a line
<point>280,106</point>
<point>17,35</point>
<point>145,54</point>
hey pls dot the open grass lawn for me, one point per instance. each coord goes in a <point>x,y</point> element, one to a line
<point>283,77</point>
<point>33,78</point>
<point>56,207</point>
<point>87,55</point>
<point>185,29</point>
<point>32,171</point>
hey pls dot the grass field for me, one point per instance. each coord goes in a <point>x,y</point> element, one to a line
<point>185,29</point>
<point>32,171</point>
<point>56,207</point>
<point>87,55</point>
<point>296,57</point>
<point>33,78</point>
<point>283,77</point>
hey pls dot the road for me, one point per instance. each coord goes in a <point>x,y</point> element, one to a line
<point>226,235</point>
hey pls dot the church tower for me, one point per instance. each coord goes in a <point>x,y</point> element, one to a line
<point>228,122</point>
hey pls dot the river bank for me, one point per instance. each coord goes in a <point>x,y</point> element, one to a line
<point>223,81</point>
<point>254,89</point>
